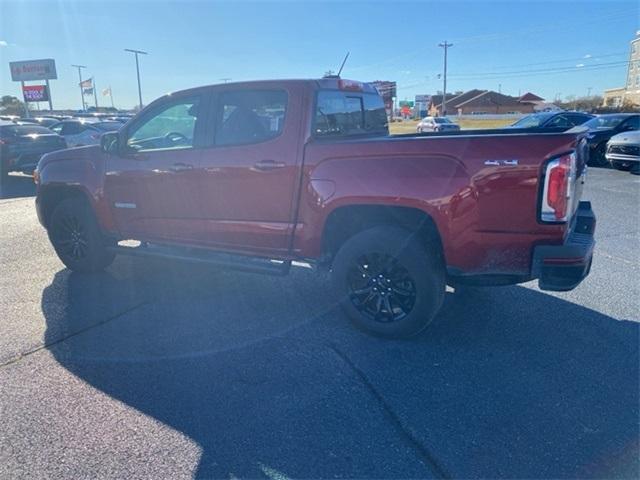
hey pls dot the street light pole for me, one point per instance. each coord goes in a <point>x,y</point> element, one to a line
<point>446,46</point>
<point>80,67</point>
<point>136,52</point>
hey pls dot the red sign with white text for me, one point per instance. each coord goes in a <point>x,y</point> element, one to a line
<point>35,93</point>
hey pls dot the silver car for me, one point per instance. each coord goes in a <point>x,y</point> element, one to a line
<point>436,124</point>
<point>623,150</point>
<point>83,131</point>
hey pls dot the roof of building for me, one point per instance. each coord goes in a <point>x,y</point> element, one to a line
<point>465,96</point>
<point>530,97</point>
<point>490,97</point>
<point>437,99</point>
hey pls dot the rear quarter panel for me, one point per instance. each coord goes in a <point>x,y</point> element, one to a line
<point>486,214</point>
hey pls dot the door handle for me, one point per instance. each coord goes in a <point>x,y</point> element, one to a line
<point>265,165</point>
<point>180,167</point>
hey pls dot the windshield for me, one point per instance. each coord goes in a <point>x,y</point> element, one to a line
<point>605,121</point>
<point>107,126</point>
<point>27,130</point>
<point>531,121</point>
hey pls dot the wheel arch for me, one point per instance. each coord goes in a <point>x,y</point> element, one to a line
<point>51,196</point>
<point>344,222</point>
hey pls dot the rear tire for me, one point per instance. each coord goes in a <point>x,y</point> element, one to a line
<point>388,283</point>
<point>76,237</point>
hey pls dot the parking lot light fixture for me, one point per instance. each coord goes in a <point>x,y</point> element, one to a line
<point>136,52</point>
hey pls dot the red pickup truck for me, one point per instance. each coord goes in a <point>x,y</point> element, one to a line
<point>256,175</point>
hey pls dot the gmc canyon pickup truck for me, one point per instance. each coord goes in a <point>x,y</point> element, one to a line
<point>256,175</point>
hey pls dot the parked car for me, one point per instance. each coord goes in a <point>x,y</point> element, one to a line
<point>552,119</point>
<point>121,119</point>
<point>254,176</point>
<point>80,132</point>
<point>436,124</point>
<point>623,151</point>
<point>602,128</point>
<point>22,145</point>
<point>44,121</point>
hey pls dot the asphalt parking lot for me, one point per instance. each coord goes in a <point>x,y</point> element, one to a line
<point>159,370</point>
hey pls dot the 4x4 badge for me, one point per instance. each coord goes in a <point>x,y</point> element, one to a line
<point>501,162</point>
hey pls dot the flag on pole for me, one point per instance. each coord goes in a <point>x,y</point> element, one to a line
<point>87,86</point>
<point>106,91</point>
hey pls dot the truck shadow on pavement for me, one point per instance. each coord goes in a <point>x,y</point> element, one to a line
<point>268,378</point>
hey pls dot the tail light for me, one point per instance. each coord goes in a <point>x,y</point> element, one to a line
<point>559,177</point>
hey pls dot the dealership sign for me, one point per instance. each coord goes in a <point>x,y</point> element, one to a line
<point>35,93</point>
<point>33,70</point>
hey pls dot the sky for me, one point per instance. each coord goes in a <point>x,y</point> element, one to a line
<point>551,48</point>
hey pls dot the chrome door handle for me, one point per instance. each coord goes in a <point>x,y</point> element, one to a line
<point>180,167</point>
<point>265,165</point>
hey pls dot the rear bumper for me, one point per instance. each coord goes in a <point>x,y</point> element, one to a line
<point>563,267</point>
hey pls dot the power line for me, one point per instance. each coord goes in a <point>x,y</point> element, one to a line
<point>573,59</point>
<point>540,70</point>
<point>527,74</point>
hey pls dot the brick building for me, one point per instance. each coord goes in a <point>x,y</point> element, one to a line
<point>484,102</point>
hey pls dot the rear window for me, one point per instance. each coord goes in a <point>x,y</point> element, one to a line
<point>26,130</point>
<point>349,113</point>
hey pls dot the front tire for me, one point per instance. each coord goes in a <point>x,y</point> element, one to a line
<point>625,167</point>
<point>76,237</point>
<point>388,283</point>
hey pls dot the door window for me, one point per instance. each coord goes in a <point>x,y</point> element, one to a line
<point>169,127</point>
<point>249,116</point>
<point>560,121</point>
<point>632,124</point>
<point>578,119</point>
<point>71,128</point>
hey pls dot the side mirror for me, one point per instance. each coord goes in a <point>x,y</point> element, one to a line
<point>109,142</point>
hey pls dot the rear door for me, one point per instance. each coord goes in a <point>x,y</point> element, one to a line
<point>250,174</point>
<point>152,185</point>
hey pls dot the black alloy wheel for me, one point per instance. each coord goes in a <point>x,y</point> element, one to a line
<point>381,288</point>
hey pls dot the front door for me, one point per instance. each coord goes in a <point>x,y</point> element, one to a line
<point>151,186</point>
<point>250,174</point>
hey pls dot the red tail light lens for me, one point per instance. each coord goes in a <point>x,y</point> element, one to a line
<point>558,188</point>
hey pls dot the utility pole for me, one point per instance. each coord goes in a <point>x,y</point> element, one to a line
<point>95,93</point>
<point>589,91</point>
<point>446,46</point>
<point>80,67</point>
<point>136,52</point>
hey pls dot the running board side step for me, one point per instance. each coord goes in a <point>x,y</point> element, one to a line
<point>229,261</point>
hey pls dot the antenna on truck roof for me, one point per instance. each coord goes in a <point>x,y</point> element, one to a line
<point>330,73</point>
<point>343,62</point>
